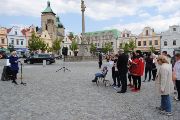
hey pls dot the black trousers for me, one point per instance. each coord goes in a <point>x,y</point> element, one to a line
<point>146,71</point>
<point>154,72</point>
<point>137,82</point>
<point>14,75</point>
<point>116,78</point>
<point>129,77</point>
<point>178,88</point>
<point>100,64</point>
<point>123,79</point>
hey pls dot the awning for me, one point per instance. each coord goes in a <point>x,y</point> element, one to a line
<point>21,49</point>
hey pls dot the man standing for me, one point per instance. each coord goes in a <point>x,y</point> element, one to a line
<point>100,60</point>
<point>122,66</point>
<point>177,74</point>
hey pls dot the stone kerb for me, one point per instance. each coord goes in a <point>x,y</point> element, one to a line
<point>80,58</point>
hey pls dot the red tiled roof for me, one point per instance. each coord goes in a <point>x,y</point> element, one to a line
<point>8,30</point>
<point>24,32</point>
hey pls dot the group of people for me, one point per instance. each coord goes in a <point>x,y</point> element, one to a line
<point>165,75</point>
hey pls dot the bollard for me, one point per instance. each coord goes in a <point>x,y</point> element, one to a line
<point>44,63</point>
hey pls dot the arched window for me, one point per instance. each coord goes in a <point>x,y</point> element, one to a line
<point>165,43</point>
<point>174,42</point>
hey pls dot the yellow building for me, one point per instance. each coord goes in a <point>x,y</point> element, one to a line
<point>148,38</point>
<point>3,37</point>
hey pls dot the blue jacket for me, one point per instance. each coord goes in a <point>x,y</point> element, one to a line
<point>14,64</point>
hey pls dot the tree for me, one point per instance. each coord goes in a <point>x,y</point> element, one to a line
<point>74,46</point>
<point>11,47</point>
<point>42,45</point>
<point>56,46</point>
<point>93,48</point>
<point>152,49</point>
<point>107,48</point>
<point>34,43</point>
<point>125,47</point>
<point>132,44</point>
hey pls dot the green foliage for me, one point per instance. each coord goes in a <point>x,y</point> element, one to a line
<point>93,48</point>
<point>42,45</point>
<point>107,48</point>
<point>56,46</point>
<point>10,47</point>
<point>127,47</point>
<point>132,45</point>
<point>36,43</point>
<point>74,45</point>
<point>33,43</point>
<point>152,49</point>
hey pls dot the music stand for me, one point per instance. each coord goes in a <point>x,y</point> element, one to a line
<point>22,83</point>
<point>63,68</point>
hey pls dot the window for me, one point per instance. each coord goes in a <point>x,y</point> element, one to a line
<point>156,42</point>
<point>144,43</point>
<point>174,29</point>
<point>98,44</point>
<point>147,33</point>
<point>15,32</point>
<point>174,42</point>
<point>12,41</point>
<point>127,35</point>
<point>17,42</point>
<point>111,43</point>
<point>165,43</point>
<point>139,43</point>
<point>2,41</point>
<point>95,44</point>
<point>21,42</point>
<point>123,35</point>
<point>150,42</point>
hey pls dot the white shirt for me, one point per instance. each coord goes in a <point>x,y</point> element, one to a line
<point>177,69</point>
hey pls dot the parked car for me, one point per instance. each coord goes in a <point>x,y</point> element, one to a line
<point>38,58</point>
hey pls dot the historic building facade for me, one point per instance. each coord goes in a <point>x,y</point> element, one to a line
<point>16,38</point>
<point>52,24</point>
<point>125,37</point>
<point>3,38</point>
<point>100,38</point>
<point>170,39</point>
<point>148,38</point>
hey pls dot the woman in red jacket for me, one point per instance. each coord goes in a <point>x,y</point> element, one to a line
<point>137,71</point>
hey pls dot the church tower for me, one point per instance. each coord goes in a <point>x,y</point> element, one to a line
<point>48,21</point>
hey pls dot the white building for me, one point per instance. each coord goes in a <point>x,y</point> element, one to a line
<point>170,39</point>
<point>16,38</point>
<point>125,37</point>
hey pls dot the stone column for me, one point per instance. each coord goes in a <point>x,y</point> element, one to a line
<point>83,47</point>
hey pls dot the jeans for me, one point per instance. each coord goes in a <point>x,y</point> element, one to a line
<point>166,103</point>
<point>98,75</point>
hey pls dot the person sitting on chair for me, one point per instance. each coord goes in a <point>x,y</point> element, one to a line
<point>13,59</point>
<point>98,75</point>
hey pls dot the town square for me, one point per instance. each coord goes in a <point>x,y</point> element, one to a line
<point>89,60</point>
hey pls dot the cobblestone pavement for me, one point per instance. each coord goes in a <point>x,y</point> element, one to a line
<point>72,96</point>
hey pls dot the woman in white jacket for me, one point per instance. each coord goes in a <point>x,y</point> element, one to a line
<point>165,85</point>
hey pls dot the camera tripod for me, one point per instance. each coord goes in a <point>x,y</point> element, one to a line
<point>22,83</point>
<point>63,68</point>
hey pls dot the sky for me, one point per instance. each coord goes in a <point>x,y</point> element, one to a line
<point>133,15</point>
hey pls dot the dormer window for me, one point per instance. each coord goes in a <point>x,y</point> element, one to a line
<point>15,32</point>
<point>174,29</point>
<point>147,33</point>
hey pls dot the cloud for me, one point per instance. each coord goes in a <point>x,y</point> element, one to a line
<point>159,23</point>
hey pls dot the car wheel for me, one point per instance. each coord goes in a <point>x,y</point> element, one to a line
<point>48,62</point>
